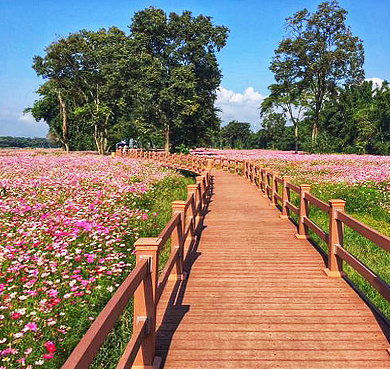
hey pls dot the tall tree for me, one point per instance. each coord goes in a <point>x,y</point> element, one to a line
<point>358,120</point>
<point>319,54</point>
<point>180,73</point>
<point>88,72</point>
<point>284,96</point>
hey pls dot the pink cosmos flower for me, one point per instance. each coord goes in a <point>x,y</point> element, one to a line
<point>50,346</point>
<point>90,258</point>
<point>48,356</point>
<point>30,327</point>
<point>53,293</point>
<point>15,316</point>
<point>28,351</point>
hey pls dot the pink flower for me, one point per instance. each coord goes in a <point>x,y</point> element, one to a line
<point>28,351</point>
<point>30,327</point>
<point>48,356</point>
<point>50,346</point>
<point>53,293</point>
<point>90,258</point>
<point>15,316</point>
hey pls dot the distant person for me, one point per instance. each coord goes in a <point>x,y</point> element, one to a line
<point>121,145</point>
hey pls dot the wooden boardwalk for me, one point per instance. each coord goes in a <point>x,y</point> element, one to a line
<point>256,297</point>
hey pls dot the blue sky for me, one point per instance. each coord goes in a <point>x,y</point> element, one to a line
<point>256,28</point>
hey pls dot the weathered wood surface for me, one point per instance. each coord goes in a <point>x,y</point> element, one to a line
<point>256,297</point>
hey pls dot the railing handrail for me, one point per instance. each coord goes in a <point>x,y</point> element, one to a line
<point>143,282</point>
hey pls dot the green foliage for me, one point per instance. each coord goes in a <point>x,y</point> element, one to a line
<point>236,135</point>
<point>179,73</point>
<point>9,141</point>
<point>357,119</point>
<point>156,84</point>
<point>274,133</point>
<point>183,149</point>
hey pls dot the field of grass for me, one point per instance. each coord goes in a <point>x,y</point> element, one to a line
<point>67,228</point>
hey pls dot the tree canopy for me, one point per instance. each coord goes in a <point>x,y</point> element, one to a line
<point>156,84</point>
<point>319,55</point>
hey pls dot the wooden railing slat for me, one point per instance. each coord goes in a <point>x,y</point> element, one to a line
<point>318,203</point>
<point>292,208</point>
<point>380,285</point>
<point>293,187</point>
<point>373,235</point>
<point>316,229</point>
<point>133,346</point>
<point>163,279</point>
<point>168,229</point>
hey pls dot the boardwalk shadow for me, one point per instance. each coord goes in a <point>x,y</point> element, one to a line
<point>175,310</point>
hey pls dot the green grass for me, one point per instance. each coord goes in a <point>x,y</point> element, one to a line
<point>158,201</point>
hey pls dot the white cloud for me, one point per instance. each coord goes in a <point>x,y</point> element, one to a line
<point>242,107</point>
<point>27,118</point>
<point>376,82</point>
<point>15,123</point>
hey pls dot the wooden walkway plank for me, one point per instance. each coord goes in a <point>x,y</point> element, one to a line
<point>256,297</point>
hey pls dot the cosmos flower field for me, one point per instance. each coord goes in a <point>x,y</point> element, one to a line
<point>67,228</point>
<point>316,168</point>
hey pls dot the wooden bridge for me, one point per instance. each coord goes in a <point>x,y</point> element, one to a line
<point>243,287</point>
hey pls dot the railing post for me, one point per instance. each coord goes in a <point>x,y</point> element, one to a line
<point>200,183</point>
<point>210,164</point>
<point>265,182</point>
<point>253,173</point>
<point>250,169</point>
<point>273,188</point>
<point>192,190</point>
<point>303,212</point>
<point>144,302</point>
<point>258,176</point>
<point>285,197</point>
<point>177,240</point>
<point>336,234</point>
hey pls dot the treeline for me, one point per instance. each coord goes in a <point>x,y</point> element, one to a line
<point>356,120</point>
<point>156,85</point>
<point>23,142</point>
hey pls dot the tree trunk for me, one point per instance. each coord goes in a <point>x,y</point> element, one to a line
<point>64,116</point>
<point>97,140</point>
<point>167,143</point>
<point>296,138</point>
<point>314,132</point>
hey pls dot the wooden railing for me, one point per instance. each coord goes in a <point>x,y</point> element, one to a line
<point>144,283</point>
<point>194,163</point>
<point>268,182</point>
<point>278,190</point>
